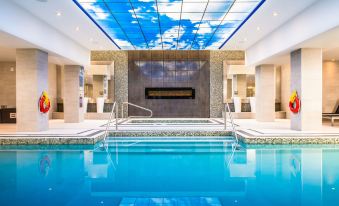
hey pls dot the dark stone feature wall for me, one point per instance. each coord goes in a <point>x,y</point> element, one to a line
<point>169,69</point>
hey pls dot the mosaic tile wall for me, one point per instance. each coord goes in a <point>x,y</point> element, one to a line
<point>120,59</point>
<point>216,78</point>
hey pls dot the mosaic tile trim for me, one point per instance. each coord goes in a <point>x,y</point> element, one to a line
<point>93,138</point>
<point>216,78</point>
<point>292,140</point>
<point>168,133</point>
<point>120,59</point>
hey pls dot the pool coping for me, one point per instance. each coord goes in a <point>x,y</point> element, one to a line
<point>287,139</point>
<point>96,136</point>
<point>91,137</point>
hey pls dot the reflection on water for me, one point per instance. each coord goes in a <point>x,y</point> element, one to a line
<point>261,176</point>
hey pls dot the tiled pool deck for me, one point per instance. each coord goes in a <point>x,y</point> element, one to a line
<point>92,131</point>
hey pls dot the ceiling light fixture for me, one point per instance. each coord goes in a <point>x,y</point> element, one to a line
<point>258,28</point>
<point>58,13</point>
<point>275,13</point>
<point>77,28</point>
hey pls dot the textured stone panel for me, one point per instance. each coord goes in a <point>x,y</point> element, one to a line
<point>31,81</point>
<point>120,59</point>
<point>216,78</point>
<point>306,78</point>
<point>73,112</point>
<point>265,93</point>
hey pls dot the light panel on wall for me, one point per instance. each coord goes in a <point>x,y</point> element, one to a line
<point>169,24</point>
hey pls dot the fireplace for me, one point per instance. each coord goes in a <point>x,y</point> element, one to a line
<point>170,93</point>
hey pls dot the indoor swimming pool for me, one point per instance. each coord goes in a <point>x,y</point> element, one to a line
<point>179,171</point>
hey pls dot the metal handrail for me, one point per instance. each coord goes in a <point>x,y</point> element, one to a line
<point>227,107</point>
<point>114,108</point>
<point>137,106</point>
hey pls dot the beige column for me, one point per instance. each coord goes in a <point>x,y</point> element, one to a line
<point>73,94</point>
<point>31,81</point>
<point>306,79</point>
<point>265,93</point>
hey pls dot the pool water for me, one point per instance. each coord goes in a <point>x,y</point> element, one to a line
<point>173,173</point>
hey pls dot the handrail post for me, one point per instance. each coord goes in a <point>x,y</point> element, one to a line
<point>122,111</point>
<point>116,117</point>
<point>225,118</point>
<point>232,122</point>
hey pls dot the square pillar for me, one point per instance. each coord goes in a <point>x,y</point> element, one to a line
<point>306,79</point>
<point>73,93</point>
<point>265,93</point>
<point>31,81</point>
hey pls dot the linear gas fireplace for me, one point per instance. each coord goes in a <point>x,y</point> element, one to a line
<point>170,93</point>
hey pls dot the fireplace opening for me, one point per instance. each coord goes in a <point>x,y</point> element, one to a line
<point>170,93</point>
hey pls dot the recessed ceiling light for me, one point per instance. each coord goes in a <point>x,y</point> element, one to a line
<point>275,13</point>
<point>77,28</point>
<point>258,28</point>
<point>58,13</point>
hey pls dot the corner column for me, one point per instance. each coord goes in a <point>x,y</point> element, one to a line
<point>31,81</point>
<point>265,93</point>
<point>306,79</point>
<point>73,93</point>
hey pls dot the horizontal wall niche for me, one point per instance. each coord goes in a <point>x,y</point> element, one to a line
<point>169,93</point>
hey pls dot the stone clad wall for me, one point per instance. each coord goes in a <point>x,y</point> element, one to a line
<point>169,69</point>
<point>216,78</point>
<point>120,59</point>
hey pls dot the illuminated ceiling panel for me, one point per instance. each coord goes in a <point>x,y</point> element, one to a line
<point>169,24</point>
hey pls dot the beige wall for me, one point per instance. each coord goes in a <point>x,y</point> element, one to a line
<point>52,88</point>
<point>285,88</point>
<point>330,85</point>
<point>278,84</point>
<point>98,86</point>
<point>241,85</point>
<point>7,84</point>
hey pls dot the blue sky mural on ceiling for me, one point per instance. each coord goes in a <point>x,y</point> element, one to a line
<point>169,24</point>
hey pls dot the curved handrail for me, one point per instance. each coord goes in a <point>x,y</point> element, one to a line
<point>114,108</point>
<point>227,107</point>
<point>137,106</point>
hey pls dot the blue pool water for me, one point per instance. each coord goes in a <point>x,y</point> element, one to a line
<point>177,173</point>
